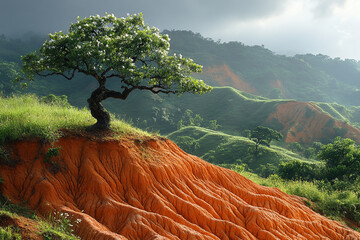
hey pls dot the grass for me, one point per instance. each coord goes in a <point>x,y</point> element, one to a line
<point>58,226</point>
<point>338,205</point>
<point>9,233</point>
<point>220,148</point>
<point>25,116</point>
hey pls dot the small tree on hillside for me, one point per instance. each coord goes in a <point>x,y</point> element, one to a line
<point>264,136</point>
<point>110,48</point>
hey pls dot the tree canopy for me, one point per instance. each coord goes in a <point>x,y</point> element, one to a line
<point>342,159</point>
<point>264,136</point>
<point>125,50</point>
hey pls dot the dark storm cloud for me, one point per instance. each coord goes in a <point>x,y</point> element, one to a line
<point>326,26</point>
<point>44,16</point>
<point>199,14</point>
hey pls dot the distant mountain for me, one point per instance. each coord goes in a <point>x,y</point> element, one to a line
<point>254,70</point>
<point>257,70</point>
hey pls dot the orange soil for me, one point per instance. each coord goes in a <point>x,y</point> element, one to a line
<point>225,77</point>
<point>151,189</point>
<point>305,122</point>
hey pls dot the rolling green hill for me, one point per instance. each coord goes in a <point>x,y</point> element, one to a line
<point>236,111</point>
<point>254,69</point>
<point>220,148</point>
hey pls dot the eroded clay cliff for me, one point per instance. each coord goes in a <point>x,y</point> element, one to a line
<point>306,122</point>
<point>151,189</point>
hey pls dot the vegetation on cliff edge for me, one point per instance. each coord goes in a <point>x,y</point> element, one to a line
<point>28,116</point>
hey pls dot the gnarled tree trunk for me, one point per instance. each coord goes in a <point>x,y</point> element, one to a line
<point>97,110</point>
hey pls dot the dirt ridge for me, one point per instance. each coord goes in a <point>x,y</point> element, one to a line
<point>151,189</point>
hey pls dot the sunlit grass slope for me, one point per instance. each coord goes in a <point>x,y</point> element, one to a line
<point>339,205</point>
<point>342,113</point>
<point>25,116</point>
<point>220,148</point>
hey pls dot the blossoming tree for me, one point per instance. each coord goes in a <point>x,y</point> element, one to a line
<point>108,48</point>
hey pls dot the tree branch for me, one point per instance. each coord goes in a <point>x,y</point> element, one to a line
<point>58,73</point>
<point>125,93</point>
<point>106,71</point>
<point>115,75</point>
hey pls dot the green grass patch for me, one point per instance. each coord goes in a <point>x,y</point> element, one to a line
<point>9,233</point>
<point>25,116</point>
<point>59,226</point>
<point>56,226</point>
<point>338,205</point>
<point>14,209</point>
<point>221,148</point>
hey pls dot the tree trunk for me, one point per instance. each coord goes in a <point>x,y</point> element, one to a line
<point>97,110</point>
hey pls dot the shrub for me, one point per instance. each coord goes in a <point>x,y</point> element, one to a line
<point>297,170</point>
<point>51,153</point>
<point>51,99</point>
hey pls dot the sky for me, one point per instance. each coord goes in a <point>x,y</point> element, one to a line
<point>329,27</point>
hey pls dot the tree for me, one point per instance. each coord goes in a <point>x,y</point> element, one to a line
<point>8,73</point>
<point>295,147</point>
<point>187,143</point>
<point>213,125</point>
<point>188,119</point>
<point>342,159</point>
<point>111,48</point>
<point>264,136</point>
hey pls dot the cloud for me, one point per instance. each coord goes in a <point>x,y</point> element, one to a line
<point>325,8</point>
<point>198,15</point>
<point>296,30</point>
<point>317,26</point>
<point>52,15</point>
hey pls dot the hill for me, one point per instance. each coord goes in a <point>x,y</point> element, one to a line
<point>254,70</point>
<point>220,148</point>
<point>307,122</point>
<point>258,70</point>
<point>126,184</point>
<point>236,111</point>
<point>148,188</point>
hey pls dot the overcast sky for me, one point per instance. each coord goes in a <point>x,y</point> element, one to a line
<point>330,27</point>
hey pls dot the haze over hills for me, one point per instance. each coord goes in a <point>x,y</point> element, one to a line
<point>258,70</point>
<point>254,70</point>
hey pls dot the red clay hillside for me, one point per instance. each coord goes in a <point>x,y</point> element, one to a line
<point>150,189</point>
